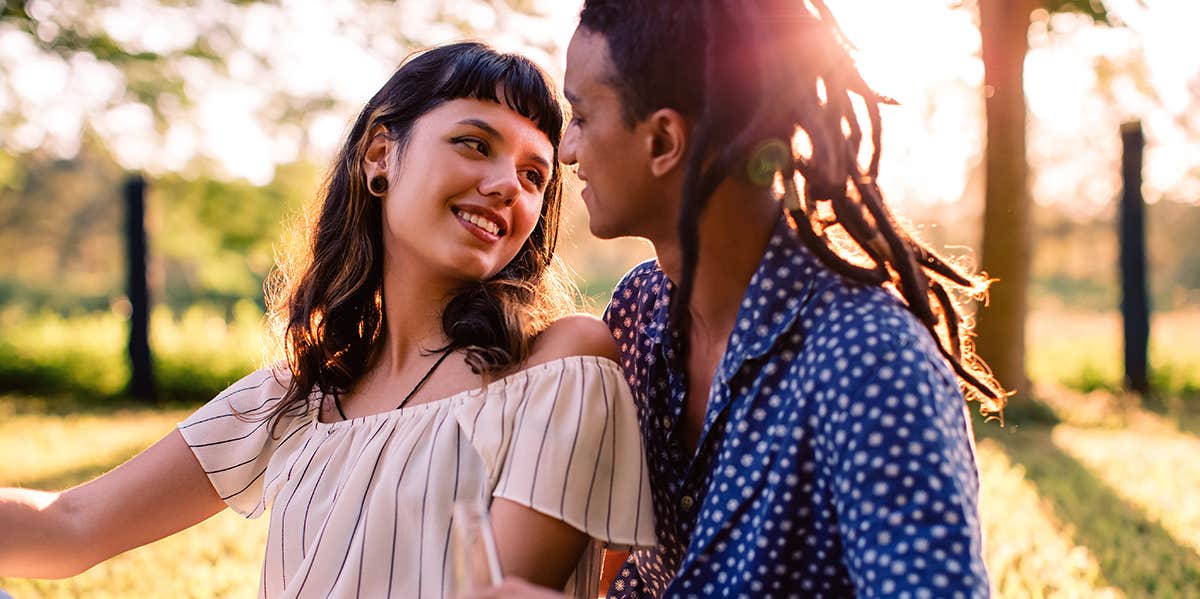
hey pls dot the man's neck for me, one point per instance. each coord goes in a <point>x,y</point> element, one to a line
<point>734,231</point>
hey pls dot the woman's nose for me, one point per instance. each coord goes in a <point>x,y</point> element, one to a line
<point>501,182</point>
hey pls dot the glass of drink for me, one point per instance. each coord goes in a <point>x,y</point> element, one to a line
<point>476,564</point>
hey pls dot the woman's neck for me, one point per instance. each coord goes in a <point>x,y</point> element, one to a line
<point>413,303</point>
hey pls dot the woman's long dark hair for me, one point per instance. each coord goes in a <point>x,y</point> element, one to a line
<point>326,298</point>
<point>770,82</point>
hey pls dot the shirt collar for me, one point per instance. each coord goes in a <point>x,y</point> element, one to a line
<point>769,307</point>
<point>772,301</point>
<point>656,331</point>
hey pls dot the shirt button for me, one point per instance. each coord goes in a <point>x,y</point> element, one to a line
<point>686,502</point>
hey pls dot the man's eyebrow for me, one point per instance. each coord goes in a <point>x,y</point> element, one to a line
<point>542,162</point>
<point>490,130</point>
<point>571,97</point>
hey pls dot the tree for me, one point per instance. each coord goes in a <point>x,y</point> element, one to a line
<point>1007,245</point>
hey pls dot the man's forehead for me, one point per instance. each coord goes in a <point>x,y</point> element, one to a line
<point>590,70</point>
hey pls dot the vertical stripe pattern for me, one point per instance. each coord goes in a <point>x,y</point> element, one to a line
<point>560,438</point>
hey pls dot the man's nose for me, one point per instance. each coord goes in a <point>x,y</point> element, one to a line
<point>566,149</point>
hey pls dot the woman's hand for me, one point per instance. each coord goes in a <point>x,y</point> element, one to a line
<point>513,588</point>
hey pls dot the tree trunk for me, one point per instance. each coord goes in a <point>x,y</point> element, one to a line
<point>1135,301</point>
<point>1008,211</point>
<point>141,372</point>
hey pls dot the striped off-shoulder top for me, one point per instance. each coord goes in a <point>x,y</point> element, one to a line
<point>362,507</point>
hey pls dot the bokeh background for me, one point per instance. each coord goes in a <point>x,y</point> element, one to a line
<point>231,111</point>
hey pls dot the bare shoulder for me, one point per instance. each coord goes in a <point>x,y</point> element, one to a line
<point>574,335</point>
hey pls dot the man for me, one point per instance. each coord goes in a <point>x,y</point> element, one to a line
<point>796,367</point>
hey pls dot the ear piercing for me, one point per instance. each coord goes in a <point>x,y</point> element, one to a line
<point>378,185</point>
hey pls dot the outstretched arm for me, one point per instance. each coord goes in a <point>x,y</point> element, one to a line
<point>56,535</point>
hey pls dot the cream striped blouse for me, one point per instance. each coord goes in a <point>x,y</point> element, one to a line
<point>362,507</point>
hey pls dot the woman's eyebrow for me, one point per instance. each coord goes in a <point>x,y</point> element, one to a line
<point>490,130</point>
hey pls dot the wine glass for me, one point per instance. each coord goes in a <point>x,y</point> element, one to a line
<point>476,564</point>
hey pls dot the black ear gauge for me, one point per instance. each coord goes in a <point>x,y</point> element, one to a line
<point>378,185</point>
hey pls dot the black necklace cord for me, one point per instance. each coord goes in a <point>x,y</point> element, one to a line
<point>337,402</point>
<point>428,373</point>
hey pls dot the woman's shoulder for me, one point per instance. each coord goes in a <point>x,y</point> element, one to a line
<point>580,335</point>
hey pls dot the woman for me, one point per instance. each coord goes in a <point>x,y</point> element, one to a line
<point>430,359</point>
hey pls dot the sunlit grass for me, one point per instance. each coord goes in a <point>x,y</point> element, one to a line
<point>1083,350</point>
<point>1027,551</point>
<point>1102,505</point>
<point>218,558</point>
<point>1149,464</point>
<point>1103,510</point>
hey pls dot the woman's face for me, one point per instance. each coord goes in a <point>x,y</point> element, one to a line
<point>466,190</point>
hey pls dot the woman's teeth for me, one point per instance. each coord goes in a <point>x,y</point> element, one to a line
<point>480,222</point>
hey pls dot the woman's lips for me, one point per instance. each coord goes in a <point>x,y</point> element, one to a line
<point>481,227</point>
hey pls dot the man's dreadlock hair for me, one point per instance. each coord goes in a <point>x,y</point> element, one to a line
<point>769,85</point>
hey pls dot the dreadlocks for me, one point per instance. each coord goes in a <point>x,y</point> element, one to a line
<point>776,76</point>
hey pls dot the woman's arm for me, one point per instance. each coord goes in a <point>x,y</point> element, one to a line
<point>534,546</point>
<point>56,535</point>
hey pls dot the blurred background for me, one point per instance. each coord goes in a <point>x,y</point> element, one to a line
<point>1005,152</point>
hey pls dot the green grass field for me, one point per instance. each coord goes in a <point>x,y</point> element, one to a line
<point>1101,504</point>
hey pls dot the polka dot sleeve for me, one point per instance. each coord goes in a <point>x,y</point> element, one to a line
<point>897,455</point>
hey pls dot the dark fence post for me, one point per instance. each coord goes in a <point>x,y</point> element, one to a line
<point>1135,305</point>
<point>141,380</point>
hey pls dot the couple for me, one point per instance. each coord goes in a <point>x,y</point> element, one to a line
<point>773,408</point>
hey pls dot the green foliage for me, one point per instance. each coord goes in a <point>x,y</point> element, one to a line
<point>211,241</point>
<point>1092,8</point>
<point>1055,524</point>
<point>195,354</point>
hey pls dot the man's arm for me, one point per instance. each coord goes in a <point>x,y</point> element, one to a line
<point>901,463</point>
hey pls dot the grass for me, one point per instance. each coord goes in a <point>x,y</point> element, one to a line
<point>1082,350</point>
<point>53,448</point>
<point>1100,505</point>
<point>1096,500</point>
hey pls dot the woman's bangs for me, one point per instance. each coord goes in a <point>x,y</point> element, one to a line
<point>482,75</point>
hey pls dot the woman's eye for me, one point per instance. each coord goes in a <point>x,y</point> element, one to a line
<point>474,143</point>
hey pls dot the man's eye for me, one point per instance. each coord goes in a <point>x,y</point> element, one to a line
<point>575,119</point>
<point>474,143</point>
<point>536,177</point>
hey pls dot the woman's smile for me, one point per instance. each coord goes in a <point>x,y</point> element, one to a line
<point>483,223</point>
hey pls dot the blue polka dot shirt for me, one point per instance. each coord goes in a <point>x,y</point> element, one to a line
<point>836,457</point>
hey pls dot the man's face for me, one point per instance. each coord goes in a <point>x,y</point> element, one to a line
<point>612,156</point>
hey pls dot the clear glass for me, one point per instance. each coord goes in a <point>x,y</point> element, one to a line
<point>476,564</point>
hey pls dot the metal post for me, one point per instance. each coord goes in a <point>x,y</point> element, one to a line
<point>1135,305</point>
<point>141,381</point>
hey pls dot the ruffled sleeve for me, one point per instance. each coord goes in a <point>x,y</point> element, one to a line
<point>235,441</point>
<point>563,439</point>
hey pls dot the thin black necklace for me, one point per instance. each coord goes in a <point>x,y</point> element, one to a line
<point>421,383</point>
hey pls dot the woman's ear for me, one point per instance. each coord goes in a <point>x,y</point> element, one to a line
<point>668,136</point>
<point>379,148</point>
